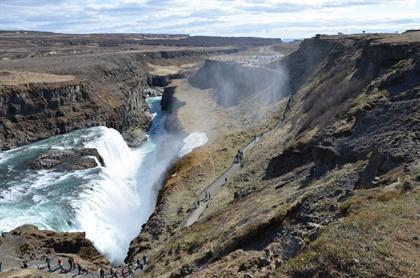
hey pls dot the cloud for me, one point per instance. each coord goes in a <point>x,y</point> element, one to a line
<point>211,17</point>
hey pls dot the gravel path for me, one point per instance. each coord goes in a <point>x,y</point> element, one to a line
<point>213,188</point>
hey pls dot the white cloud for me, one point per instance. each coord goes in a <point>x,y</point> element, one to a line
<point>268,18</point>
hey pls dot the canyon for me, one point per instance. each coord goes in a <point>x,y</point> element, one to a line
<point>329,128</point>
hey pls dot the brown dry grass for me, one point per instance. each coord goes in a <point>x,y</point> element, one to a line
<point>379,238</point>
<point>25,77</point>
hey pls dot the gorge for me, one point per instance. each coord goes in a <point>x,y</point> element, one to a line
<point>130,152</point>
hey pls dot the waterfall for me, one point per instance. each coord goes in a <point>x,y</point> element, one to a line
<point>109,203</point>
<point>121,199</point>
<point>108,211</point>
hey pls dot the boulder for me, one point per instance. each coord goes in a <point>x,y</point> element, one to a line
<point>135,137</point>
<point>325,159</point>
<point>68,159</point>
<point>291,247</point>
<point>379,163</point>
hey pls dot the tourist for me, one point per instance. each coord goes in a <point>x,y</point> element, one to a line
<point>141,267</point>
<point>102,273</point>
<point>1,266</point>
<point>70,261</point>
<point>138,262</point>
<point>123,272</point>
<point>74,264</point>
<point>60,264</point>
<point>79,268</point>
<point>225,180</point>
<point>24,265</point>
<point>130,269</point>
<point>48,261</point>
<point>145,260</point>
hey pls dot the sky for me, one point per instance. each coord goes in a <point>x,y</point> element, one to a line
<point>261,18</point>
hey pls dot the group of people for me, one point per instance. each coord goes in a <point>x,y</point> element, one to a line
<point>125,271</point>
<point>73,265</point>
<point>207,196</point>
<point>120,271</point>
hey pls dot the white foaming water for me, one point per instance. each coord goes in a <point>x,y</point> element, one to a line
<point>192,141</point>
<point>122,199</point>
<point>107,210</point>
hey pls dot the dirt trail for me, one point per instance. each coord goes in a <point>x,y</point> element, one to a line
<point>213,188</point>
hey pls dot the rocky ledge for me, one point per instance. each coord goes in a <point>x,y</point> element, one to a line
<point>28,243</point>
<point>69,159</point>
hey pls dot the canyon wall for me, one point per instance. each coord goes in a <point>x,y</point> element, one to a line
<point>344,167</point>
<point>105,90</point>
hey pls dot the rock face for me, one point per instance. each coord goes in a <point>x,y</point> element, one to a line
<point>105,90</point>
<point>167,99</point>
<point>38,111</point>
<point>70,159</point>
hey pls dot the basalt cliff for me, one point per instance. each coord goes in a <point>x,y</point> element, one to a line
<point>54,83</point>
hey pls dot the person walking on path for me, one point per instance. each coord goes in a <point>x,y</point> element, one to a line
<point>130,269</point>
<point>145,260</point>
<point>60,265</point>
<point>70,261</point>
<point>48,261</point>
<point>101,273</point>
<point>138,263</point>
<point>79,268</point>
<point>24,265</point>
<point>1,265</point>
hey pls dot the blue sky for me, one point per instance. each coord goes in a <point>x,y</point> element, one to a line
<point>264,18</point>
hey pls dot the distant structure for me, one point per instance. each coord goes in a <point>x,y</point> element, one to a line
<point>340,34</point>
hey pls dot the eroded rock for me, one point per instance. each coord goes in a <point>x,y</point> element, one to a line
<point>32,244</point>
<point>68,159</point>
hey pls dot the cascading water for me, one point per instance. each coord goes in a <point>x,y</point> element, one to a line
<point>123,198</point>
<point>109,203</point>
